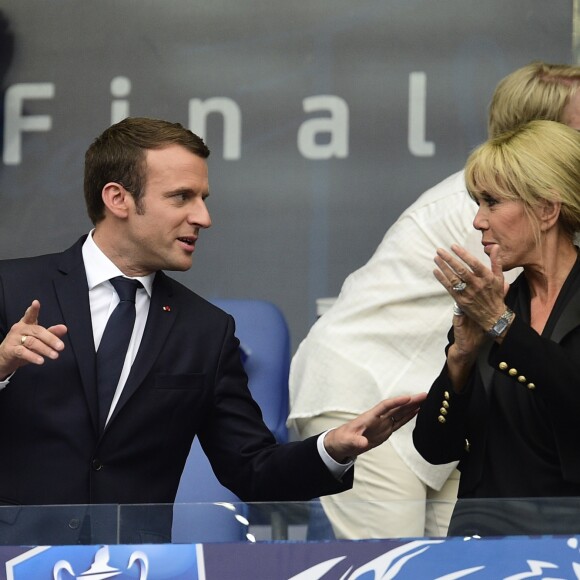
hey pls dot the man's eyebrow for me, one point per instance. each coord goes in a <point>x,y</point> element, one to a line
<point>187,190</point>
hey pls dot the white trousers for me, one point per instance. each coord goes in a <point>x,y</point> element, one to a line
<point>387,499</point>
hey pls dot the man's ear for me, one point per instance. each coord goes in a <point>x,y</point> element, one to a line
<point>548,214</point>
<point>117,199</point>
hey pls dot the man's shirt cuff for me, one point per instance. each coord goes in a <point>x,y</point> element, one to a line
<point>337,469</point>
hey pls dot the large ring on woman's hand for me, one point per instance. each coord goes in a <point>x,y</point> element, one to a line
<point>23,339</point>
<point>460,286</point>
<point>457,310</point>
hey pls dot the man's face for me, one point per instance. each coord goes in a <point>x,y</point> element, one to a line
<point>163,230</point>
<point>571,113</point>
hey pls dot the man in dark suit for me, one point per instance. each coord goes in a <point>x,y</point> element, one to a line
<point>146,182</point>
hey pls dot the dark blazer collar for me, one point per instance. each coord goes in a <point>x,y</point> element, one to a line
<point>569,318</point>
<point>72,258</point>
<point>565,315</point>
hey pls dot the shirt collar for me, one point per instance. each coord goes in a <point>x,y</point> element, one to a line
<point>100,269</point>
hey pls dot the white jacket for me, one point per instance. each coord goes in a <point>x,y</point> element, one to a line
<point>387,331</point>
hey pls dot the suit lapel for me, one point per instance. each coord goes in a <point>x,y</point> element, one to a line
<point>162,314</point>
<point>483,366</point>
<point>568,320</point>
<point>73,297</point>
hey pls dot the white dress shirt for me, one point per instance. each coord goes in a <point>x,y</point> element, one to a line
<point>103,299</point>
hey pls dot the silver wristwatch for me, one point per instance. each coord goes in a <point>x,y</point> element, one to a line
<point>502,323</point>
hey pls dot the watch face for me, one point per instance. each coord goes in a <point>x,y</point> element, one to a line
<point>500,326</point>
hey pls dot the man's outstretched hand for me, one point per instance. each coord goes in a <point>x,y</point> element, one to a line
<point>372,428</point>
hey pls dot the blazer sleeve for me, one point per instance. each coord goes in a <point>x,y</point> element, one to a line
<point>442,425</point>
<point>243,452</point>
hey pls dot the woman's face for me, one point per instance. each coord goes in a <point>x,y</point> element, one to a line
<point>505,223</point>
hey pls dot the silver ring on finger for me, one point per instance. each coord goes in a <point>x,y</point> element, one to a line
<point>394,420</point>
<point>460,286</point>
<point>457,310</point>
<point>23,339</point>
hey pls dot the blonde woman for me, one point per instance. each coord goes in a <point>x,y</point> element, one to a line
<point>506,403</point>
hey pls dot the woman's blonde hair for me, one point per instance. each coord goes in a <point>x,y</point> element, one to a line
<point>536,162</point>
<point>536,91</point>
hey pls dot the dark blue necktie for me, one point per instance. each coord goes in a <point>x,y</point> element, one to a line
<point>114,344</point>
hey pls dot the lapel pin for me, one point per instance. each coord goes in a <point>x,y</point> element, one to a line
<point>167,308</point>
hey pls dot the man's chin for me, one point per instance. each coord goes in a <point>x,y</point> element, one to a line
<point>178,266</point>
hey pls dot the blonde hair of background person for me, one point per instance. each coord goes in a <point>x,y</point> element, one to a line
<point>387,331</point>
<point>536,91</point>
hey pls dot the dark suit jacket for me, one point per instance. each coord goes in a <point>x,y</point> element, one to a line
<point>187,380</point>
<point>546,367</point>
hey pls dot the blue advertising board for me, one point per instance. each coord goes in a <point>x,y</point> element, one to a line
<point>511,558</point>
